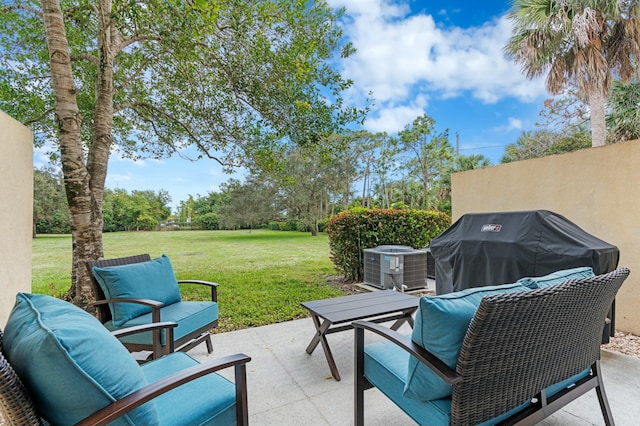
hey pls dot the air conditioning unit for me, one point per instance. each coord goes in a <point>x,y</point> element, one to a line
<point>395,267</point>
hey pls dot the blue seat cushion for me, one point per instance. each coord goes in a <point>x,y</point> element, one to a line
<point>189,316</point>
<point>153,279</point>
<point>440,326</point>
<point>70,363</point>
<point>556,277</point>
<point>210,400</point>
<point>385,367</point>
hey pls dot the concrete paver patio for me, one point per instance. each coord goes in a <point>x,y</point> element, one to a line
<point>288,387</point>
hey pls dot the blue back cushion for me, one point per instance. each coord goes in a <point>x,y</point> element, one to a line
<point>70,363</point>
<point>556,277</point>
<point>153,280</point>
<point>440,326</point>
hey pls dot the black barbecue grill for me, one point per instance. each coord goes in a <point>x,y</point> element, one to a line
<point>483,249</point>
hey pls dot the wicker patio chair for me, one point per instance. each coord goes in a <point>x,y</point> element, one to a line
<point>188,335</point>
<point>174,372</point>
<point>525,355</point>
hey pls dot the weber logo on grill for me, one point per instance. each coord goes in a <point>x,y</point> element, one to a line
<point>491,228</point>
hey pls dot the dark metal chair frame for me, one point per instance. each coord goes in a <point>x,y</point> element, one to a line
<point>189,341</point>
<point>17,408</point>
<point>540,338</point>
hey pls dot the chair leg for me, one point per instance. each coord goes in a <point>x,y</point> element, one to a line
<point>602,396</point>
<point>359,380</point>
<point>209,344</point>
<point>242,412</point>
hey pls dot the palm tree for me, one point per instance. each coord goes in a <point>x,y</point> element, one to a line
<point>578,42</point>
<point>471,162</point>
<point>623,120</point>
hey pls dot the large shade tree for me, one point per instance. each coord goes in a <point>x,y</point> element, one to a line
<point>583,43</point>
<point>430,156</point>
<point>234,79</point>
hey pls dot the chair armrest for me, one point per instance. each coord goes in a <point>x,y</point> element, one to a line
<point>145,327</point>
<point>214,287</point>
<point>155,328</point>
<point>154,304</point>
<point>147,393</point>
<point>443,371</point>
<point>148,302</point>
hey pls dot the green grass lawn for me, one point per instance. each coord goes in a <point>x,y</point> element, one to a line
<point>263,274</point>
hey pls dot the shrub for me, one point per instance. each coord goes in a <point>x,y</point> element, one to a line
<point>274,226</point>
<point>290,225</point>
<point>146,223</point>
<point>353,231</point>
<point>58,224</point>
<point>208,221</point>
<point>322,225</point>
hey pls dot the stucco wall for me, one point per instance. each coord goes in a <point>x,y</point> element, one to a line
<point>596,188</point>
<point>16,211</point>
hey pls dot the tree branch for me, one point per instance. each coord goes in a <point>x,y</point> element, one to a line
<point>86,57</point>
<point>30,9</point>
<point>133,76</point>
<point>128,41</point>
<point>39,118</point>
<point>134,106</point>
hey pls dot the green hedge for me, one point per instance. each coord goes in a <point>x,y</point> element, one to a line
<point>353,231</point>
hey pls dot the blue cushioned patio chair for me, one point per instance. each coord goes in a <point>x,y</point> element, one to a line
<point>60,365</point>
<point>136,290</point>
<point>525,354</point>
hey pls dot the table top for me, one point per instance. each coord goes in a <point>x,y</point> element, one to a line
<point>361,306</point>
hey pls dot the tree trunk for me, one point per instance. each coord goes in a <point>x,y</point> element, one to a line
<point>598,124</point>
<point>404,198</point>
<point>345,196</point>
<point>425,184</point>
<point>85,206</point>
<point>385,199</point>
<point>364,185</point>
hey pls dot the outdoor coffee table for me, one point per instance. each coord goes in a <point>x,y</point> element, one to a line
<point>379,306</point>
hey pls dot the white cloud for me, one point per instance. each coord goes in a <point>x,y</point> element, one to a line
<point>216,171</point>
<point>392,118</point>
<point>115,179</point>
<point>515,123</point>
<point>511,125</point>
<point>41,157</point>
<point>400,56</point>
<point>138,162</point>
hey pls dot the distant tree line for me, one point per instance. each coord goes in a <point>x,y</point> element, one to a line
<point>122,211</point>
<point>135,211</point>
<point>50,209</point>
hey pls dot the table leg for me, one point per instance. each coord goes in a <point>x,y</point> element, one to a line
<point>320,337</point>
<point>320,331</point>
<point>407,317</point>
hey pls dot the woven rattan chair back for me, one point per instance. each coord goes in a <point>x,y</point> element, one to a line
<point>16,406</point>
<point>103,311</point>
<point>549,335</point>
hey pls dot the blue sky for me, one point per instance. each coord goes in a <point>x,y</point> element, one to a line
<point>443,58</point>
